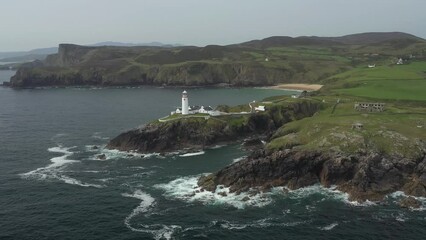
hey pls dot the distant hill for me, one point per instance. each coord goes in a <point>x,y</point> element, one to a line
<point>121,44</point>
<point>373,37</point>
<point>353,39</point>
<point>18,56</point>
<point>255,63</point>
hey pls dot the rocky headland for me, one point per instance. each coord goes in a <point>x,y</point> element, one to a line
<point>197,132</point>
<point>364,176</point>
<point>263,62</point>
<point>305,145</point>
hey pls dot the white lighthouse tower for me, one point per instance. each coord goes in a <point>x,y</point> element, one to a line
<point>184,103</point>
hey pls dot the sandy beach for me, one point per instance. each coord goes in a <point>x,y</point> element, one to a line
<point>297,86</point>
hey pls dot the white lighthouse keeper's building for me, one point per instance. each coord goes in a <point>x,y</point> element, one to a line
<point>185,108</point>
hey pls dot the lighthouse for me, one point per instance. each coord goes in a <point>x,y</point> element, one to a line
<point>184,103</point>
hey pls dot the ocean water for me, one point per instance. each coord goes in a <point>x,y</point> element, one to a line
<point>52,186</point>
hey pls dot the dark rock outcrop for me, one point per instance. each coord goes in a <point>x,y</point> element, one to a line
<point>190,133</point>
<point>364,176</point>
<point>197,133</point>
<point>410,202</point>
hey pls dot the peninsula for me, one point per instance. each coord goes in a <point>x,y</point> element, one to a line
<point>266,62</point>
<point>363,132</point>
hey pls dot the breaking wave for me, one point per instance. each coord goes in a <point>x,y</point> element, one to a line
<point>328,227</point>
<point>187,189</point>
<point>111,154</point>
<point>331,193</point>
<point>395,197</point>
<point>192,154</point>
<point>238,159</point>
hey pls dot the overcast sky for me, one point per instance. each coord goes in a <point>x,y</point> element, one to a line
<point>28,24</point>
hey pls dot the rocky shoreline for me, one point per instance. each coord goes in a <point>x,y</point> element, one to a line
<point>198,133</point>
<point>364,176</point>
<point>368,173</point>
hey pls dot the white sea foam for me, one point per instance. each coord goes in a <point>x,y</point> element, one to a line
<point>401,217</point>
<point>91,171</point>
<point>92,148</point>
<point>56,168</point>
<point>147,200</point>
<point>192,154</point>
<point>217,146</point>
<point>105,179</point>
<point>169,154</point>
<point>187,189</point>
<point>97,135</point>
<point>304,192</point>
<point>262,223</point>
<point>331,193</point>
<point>238,159</point>
<point>329,227</point>
<point>159,231</point>
<point>74,181</point>
<point>56,163</point>
<point>150,155</point>
<point>115,154</point>
<point>398,195</point>
<point>366,203</point>
<point>138,167</point>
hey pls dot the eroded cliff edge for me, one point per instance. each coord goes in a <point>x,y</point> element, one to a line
<point>365,154</point>
<point>75,65</point>
<point>364,176</point>
<point>198,132</point>
<point>308,141</point>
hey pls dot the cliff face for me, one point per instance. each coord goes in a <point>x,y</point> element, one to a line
<point>196,133</point>
<point>387,154</point>
<point>68,55</point>
<point>364,176</point>
<point>301,150</point>
<point>261,62</point>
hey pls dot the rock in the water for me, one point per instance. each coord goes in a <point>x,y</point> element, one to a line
<point>101,156</point>
<point>207,182</point>
<point>245,199</point>
<point>252,142</point>
<point>410,202</point>
<point>95,147</point>
<point>223,194</point>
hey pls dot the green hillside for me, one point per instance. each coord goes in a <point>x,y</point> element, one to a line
<point>264,62</point>
<point>389,82</point>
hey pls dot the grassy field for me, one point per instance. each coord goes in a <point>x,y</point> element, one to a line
<point>392,82</point>
<point>397,130</point>
<point>394,131</point>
